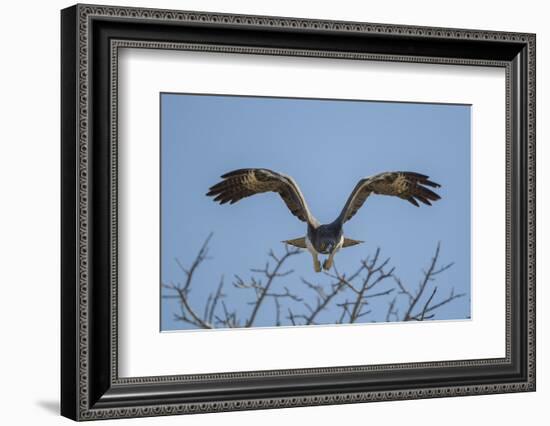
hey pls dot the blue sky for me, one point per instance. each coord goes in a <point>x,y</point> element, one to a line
<point>327,146</point>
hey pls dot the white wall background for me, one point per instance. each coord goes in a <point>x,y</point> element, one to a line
<point>29,213</point>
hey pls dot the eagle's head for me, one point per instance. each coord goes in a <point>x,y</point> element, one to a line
<point>326,238</point>
<point>326,246</point>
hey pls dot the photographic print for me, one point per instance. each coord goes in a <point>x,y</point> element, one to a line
<point>262,183</point>
<point>312,212</point>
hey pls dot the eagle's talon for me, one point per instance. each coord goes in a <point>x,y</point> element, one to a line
<point>327,264</point>
<point>317,266</point>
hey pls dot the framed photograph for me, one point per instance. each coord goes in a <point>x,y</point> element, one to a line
<point>263,212</point>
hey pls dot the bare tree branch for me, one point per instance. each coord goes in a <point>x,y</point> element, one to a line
<point>215,300</point>
<point>270,275</point>
<point>183,291</point>
<point>374,275</point>
<point>391,310</point>
<point>414,300</point>
<point>323,299</point>
<point>349,298</point>
<point>195,319</point>
<point>291,317</point>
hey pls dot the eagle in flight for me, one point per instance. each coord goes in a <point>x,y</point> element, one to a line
<point>322,239</point>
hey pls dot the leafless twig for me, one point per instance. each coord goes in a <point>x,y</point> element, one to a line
<point>183,290</point>
<point>348,298</point>
<point>413,300</point>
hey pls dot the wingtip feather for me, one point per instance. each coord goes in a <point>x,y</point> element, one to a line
<point>413,201</point>
<point>235,173</point>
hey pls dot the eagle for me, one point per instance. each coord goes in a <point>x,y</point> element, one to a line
<point>324,239</point>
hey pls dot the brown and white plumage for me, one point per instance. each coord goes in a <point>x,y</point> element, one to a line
<point>409,186</point>
<point>243,183</point>
<point>325,239</point>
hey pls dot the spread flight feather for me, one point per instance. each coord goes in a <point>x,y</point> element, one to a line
<point>326,239</point>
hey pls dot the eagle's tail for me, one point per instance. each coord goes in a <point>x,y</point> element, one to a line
<point>348,242</point>
<point>301,242</point>
<point>297,242</point>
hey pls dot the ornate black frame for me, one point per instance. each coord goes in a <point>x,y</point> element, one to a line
<point>90,386</point>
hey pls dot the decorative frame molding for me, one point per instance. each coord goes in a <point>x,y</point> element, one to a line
<point>91,37</point>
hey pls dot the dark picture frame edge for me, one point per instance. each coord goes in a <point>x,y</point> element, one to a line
<point>90,386</point>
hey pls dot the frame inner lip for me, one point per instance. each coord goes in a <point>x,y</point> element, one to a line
<point>115,44</point>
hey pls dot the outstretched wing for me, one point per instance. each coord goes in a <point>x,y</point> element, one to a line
<point>242,183</point>
<point>409,186</point>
